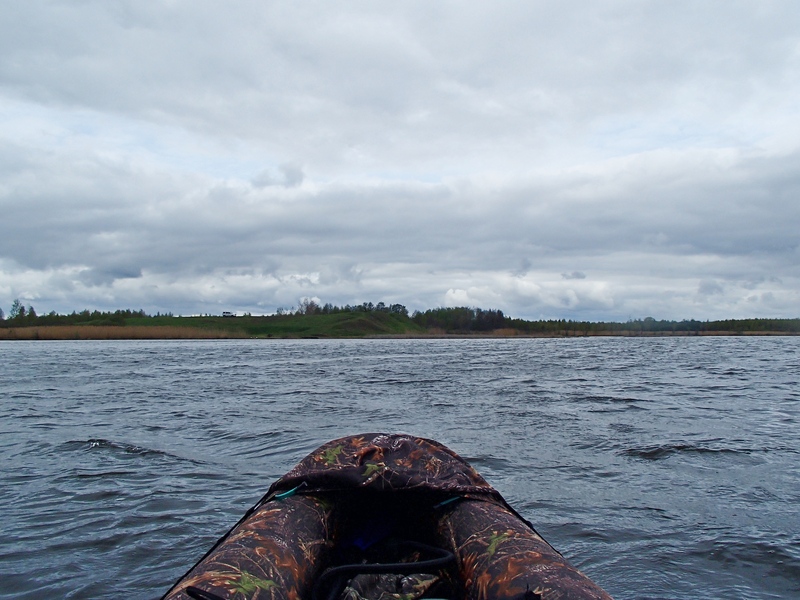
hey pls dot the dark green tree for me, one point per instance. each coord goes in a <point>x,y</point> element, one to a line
<point>17,309</point>
<point>398,309</point>
<point>307,306</point>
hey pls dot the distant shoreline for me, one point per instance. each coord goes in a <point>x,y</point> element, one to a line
<point>166,332</point>
<point>490,335</point>
<point>365,321</point>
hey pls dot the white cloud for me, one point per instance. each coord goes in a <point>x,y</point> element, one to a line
<point>601,160</point>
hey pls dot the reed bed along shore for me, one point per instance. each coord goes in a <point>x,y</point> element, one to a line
<point>110,332</point>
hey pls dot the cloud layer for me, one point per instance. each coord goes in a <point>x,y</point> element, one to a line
<point>606,160</point>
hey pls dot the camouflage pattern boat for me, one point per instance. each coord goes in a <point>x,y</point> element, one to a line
<point>383,516</point>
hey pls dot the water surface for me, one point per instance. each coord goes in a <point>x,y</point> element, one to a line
<point>663,468</point>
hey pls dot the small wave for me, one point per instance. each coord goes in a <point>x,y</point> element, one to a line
<point>596,443</point>
<point>444,404</point>
<point>658,513</point>
<point>304,392</point>
<point>611,403</point>
<point>616,409</point>
<point>610,399</point>
<point>493,463</point>
<point>666,450</point>
<point>624,428</point>
<point>411,380</point>
<point>777,559</point>
<point>102,445</point>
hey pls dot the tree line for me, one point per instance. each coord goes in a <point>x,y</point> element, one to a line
<point>20,316</point>
<point>651,326</point>
<point>453,320</point>
<point>462,319</point>
<point>310,307</point>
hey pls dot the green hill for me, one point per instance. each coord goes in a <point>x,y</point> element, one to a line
<point>345,324</point>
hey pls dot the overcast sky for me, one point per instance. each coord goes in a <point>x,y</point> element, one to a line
<point>594,159</point>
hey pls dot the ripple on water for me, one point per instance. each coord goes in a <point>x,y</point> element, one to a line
<point>665,451</point>
<point>664,468</point>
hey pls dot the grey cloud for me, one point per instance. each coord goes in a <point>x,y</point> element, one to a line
<point>420,154</point>
<point>574,275</point>
<point>709,288</point>
<point>291,175</point>
<point>104,276</point>
<point>337,84</point>
<point>195,226</point>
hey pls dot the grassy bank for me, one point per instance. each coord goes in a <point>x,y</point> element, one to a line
<point>341,325</point>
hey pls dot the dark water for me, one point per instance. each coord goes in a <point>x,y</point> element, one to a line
<point>663,468</point>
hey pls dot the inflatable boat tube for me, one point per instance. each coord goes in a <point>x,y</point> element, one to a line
<point>383,516</point>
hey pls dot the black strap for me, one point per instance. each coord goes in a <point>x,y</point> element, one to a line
<point>198,594</point>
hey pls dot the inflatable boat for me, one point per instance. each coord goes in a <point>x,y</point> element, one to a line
<point>383,516</point>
